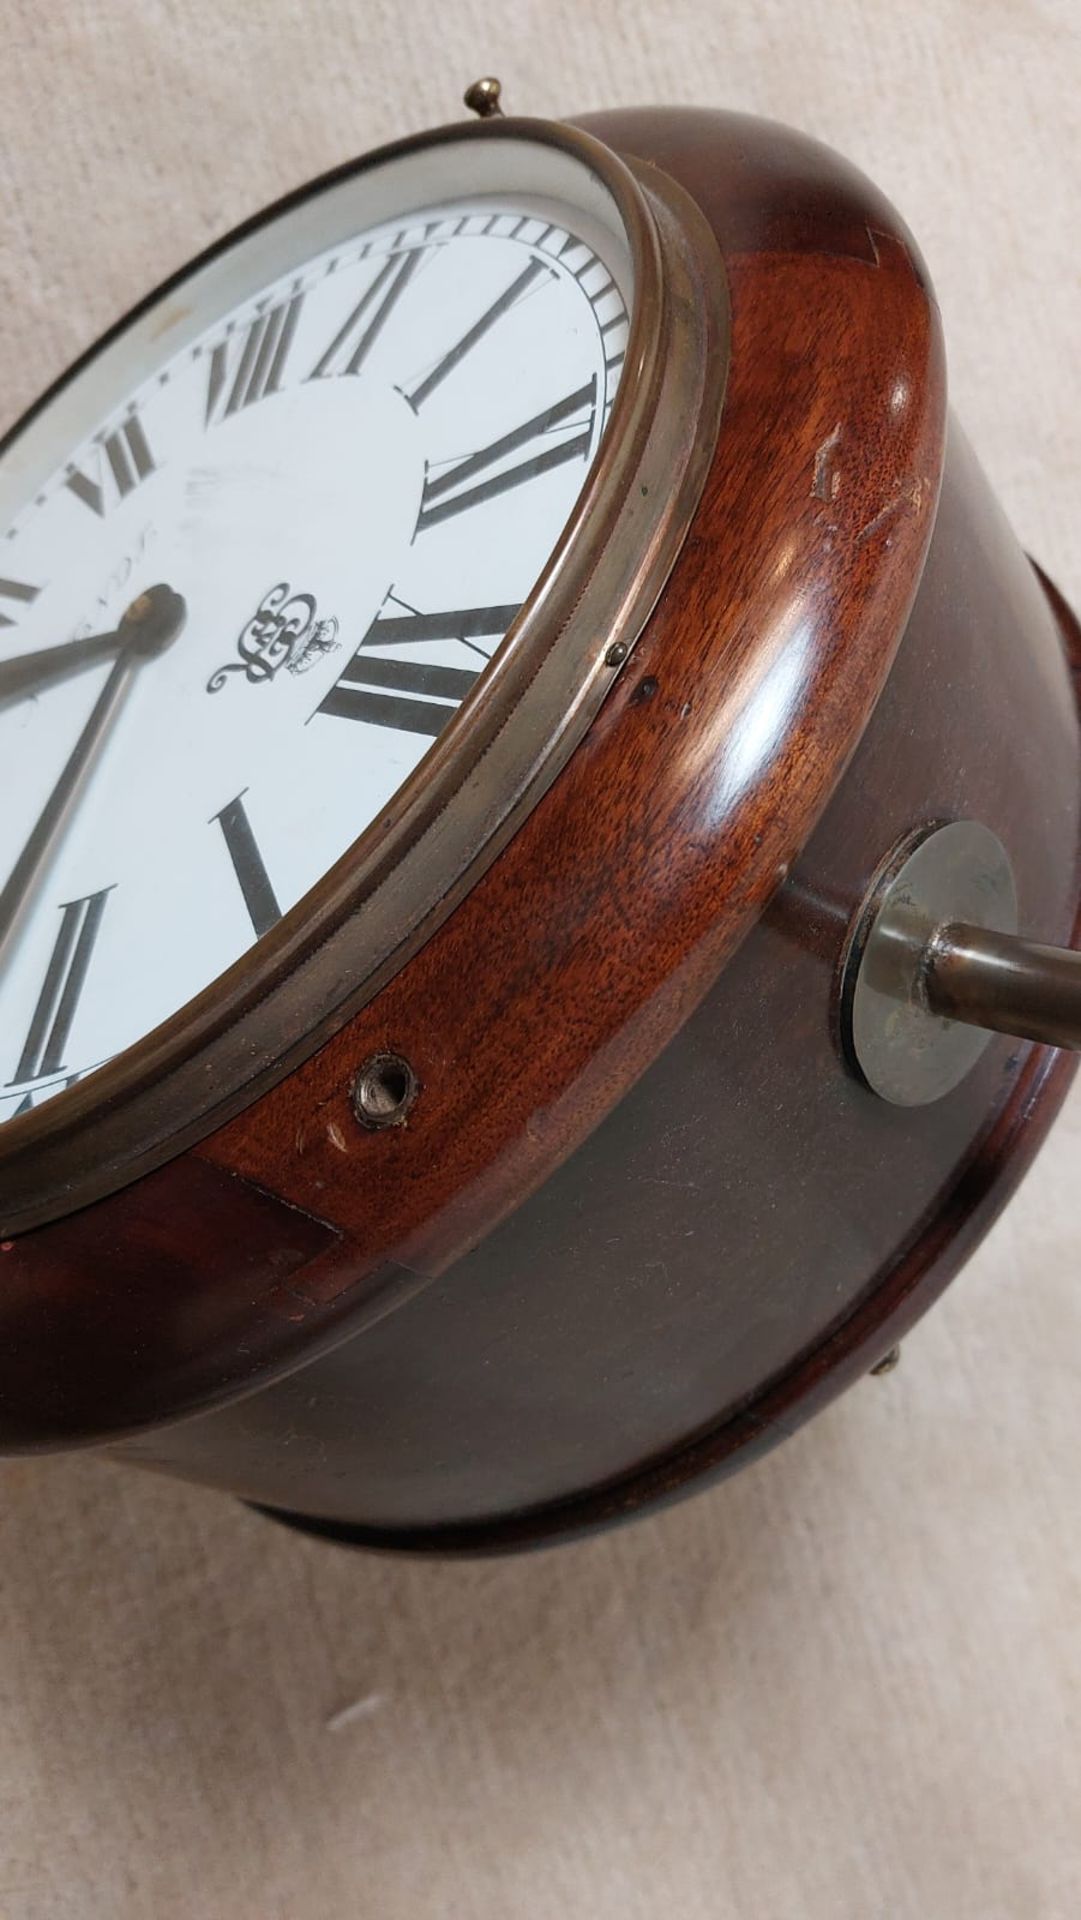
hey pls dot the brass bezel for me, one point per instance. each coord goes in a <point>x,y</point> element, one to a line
<point>415,862</point>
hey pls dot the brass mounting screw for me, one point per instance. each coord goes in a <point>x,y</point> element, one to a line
<point>482,98</point>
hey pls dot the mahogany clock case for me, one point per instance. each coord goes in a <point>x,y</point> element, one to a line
<point>644,1218</point>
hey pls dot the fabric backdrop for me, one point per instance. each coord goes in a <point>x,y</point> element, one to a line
<point>848,1685</point>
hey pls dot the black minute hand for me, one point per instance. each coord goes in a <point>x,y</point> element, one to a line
<point>33,671</point>
<point>148,626</point>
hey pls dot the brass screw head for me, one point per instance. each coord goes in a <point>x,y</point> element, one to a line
<point>482,98</point>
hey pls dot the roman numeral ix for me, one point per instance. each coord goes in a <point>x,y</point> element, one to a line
<point>46,1042</point>
<point>413,697</point>
<point>447,493</point>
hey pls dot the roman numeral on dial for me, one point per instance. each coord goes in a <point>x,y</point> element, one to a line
<point>121,460</point>
<point>250,364</point>
<point>355,339</point>
<point>570,419</point>
<point>413,697</point>
<point>16,592</point>
<point>248,865</point>
<point>536,270</point>
<point>401,694</point>
<point>467,624</point>
<point>65,978</point>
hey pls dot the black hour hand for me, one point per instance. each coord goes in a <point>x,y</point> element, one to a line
<point>149,623</point>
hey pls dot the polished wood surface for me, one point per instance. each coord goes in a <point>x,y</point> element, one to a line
<point>591,939</point>
<point>750,1229</point>
<point>643,1219</point>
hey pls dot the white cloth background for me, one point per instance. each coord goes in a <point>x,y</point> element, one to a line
<point>848,1685</point>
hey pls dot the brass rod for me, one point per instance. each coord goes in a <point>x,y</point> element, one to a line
<point>1010,985</point>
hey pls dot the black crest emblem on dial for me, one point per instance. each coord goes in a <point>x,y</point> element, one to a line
<point>282,632</point>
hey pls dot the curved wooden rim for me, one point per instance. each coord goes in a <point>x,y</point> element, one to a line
<point>421,856</point>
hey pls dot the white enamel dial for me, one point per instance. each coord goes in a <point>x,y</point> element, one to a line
<point>350,449</point>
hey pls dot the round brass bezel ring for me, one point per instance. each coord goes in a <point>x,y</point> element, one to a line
<point>485,772</point>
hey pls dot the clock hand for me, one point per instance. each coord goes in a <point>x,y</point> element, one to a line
<point>33,671</point>
<point>147,627</point>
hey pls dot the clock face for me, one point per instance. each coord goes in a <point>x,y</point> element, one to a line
<point>302,503</point>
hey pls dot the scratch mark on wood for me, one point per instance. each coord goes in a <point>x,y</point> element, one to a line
<point>827,478</point>
<point>909,496</point>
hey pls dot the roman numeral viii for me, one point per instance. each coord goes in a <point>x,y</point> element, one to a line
<point>46,1042</point>
<point>249,364</point>
<point>562,432</point>
<point>120,460</point>
<point>413,696</point>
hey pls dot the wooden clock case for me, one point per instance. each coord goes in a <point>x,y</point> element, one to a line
<point>642,1217</point>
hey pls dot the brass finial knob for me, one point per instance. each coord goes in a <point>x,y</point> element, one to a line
<point>482,98</point>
